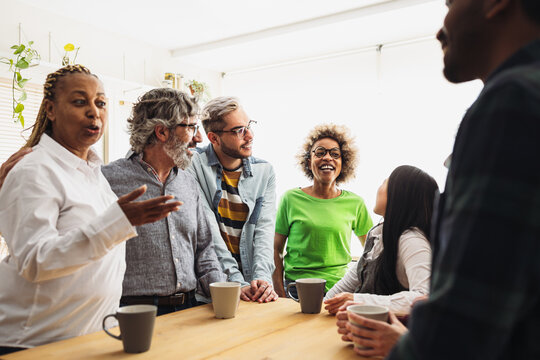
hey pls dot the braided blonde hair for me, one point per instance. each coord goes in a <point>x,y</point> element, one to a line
<point>43,124</point>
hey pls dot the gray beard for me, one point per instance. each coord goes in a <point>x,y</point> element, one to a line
<point>178,152</point>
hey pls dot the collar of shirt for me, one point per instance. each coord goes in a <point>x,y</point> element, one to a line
<point>526,55</point>
<point>149,168</point>
<point>214,161</point>
<point>65,156</point>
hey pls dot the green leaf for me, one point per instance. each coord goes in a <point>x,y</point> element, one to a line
<point>22,83</point>
<point>20,49</point>
<point>19,108</point>
<point>69,47</point>
<point>14,47</point>
<point>22,64</point>
<point>21,119</point>
<point>23,96</point>
<point>30,43</point>
<point>18,75</point>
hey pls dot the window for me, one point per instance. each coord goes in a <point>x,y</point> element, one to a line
<point>11,134</point>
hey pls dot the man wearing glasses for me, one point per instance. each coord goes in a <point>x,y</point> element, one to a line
<point>240,198</point>
<point>172,258</point>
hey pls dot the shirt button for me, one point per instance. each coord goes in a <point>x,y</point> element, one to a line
<point>176,260</point>
<point>178,284</point>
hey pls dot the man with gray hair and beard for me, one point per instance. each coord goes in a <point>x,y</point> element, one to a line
<point>171,258</point>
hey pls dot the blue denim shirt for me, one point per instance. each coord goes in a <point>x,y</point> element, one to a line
<point>257,189</point>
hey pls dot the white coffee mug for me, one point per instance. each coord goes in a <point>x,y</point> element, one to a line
<point>225,298</point>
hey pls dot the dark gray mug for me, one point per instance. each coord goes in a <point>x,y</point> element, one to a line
<point>310,294</point>
<point>136,327</point>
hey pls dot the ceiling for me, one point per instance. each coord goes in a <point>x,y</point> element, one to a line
<point>234,35</point>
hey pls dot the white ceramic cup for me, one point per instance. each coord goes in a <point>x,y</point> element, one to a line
<point>225,298</point>
<point>374,312</point>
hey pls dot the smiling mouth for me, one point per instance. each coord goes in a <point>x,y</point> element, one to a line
<point>327,168</point>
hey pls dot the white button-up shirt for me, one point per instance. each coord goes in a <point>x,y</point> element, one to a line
<point>65,233</point>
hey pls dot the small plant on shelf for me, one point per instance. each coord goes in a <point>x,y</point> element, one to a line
<point>68,48</point>
<point>24,56</point>
<point>198,89</point>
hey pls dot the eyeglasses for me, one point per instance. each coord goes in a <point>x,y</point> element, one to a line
<point>320,152</point>
<point>193,127</point>
<point>240,131</point>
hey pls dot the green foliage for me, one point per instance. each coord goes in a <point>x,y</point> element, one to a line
<point>198,89</point>
<point>23,57</point>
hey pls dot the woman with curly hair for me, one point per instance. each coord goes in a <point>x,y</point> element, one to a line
<point>317,221</point>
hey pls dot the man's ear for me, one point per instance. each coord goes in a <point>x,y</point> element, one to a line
<point>50,110</point>
<point>213,138</point>
<point>162,133</point>
<point>493,8</point>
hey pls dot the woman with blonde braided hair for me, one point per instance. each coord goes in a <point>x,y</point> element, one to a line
<point>43,124</point>
<point>64,227</point>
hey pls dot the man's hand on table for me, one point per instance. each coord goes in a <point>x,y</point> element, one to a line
<point>258,290</point>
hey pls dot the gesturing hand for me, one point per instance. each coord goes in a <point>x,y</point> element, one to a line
<point>147,211</point>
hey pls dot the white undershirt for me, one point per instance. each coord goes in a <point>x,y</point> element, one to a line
<point>65,233</point>
<point>413,270</point>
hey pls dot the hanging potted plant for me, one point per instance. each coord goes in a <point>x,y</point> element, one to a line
<point>24,56</point>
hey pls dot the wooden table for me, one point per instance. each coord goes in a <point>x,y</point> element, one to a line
<point>275,330</point>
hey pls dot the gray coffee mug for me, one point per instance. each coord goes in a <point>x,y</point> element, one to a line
<point>136,327</point>
<point>310,294</point>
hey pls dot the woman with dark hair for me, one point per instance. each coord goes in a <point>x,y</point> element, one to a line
<point>317,221</point>
<point>395,266</point>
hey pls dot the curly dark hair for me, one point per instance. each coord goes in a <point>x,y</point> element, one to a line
<point>349,152</point>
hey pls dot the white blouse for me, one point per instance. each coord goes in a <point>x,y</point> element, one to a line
<point>413,270</point>
<point>65,234</point>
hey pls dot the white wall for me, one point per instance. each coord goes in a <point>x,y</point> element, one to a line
<point>103,52</point>
<point>407,115</point>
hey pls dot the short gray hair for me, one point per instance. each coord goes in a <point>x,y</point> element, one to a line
<point>162,106</point>
<point>215,110</point>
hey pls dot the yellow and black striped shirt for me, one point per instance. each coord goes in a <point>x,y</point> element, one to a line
<point>232,212</point>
